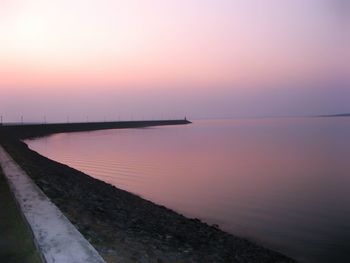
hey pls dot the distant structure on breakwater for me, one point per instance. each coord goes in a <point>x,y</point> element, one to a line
<point>38,130</point>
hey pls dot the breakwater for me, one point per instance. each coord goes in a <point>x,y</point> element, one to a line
<point>25,131</point>
<point>122,226</point>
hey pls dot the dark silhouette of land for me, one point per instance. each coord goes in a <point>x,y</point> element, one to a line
<point>335,115</point>
<point>23,131</point>
<point>122,226</point>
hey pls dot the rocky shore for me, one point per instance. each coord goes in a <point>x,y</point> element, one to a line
<point>122,226</point>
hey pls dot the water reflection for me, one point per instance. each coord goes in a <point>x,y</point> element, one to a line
<point>281,182</point>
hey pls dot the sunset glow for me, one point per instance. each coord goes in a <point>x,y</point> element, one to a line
<point>175,131</point>
<point>176,47</point>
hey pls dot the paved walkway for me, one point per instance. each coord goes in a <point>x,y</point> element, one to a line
<point>16,241</point>
<point>58,240</point>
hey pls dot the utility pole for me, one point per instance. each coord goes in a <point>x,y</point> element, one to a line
<point>1,120</point>
<point>22,119</point>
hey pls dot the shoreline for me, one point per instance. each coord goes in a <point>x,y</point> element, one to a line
<point>55,238</point>
<point>30,131</point>
<point>122,226</point>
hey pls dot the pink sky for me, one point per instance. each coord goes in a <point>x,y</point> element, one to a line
<point>147,58</point>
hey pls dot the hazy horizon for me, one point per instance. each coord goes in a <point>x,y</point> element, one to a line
<point>165,59</point>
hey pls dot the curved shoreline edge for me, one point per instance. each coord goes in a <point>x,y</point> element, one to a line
<point>55,237</point>
<point>28,131</point>
<point>120,225</point>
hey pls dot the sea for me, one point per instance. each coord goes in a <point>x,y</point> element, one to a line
<point>283,183</point>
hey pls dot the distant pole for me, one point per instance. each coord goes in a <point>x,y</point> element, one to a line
<point>22,120</point>
<point>44,119</point>
<point>1,119</point>
<point>87,118</point>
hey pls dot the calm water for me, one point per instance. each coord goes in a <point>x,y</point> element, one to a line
<point>284,183</point>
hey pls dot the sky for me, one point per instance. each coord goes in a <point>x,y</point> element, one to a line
<point>152,59</point>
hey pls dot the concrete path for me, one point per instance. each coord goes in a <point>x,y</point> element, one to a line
<point>57,239</point>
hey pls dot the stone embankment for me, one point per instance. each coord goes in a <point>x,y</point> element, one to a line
<point>56,238</point>
<point>122,226</point>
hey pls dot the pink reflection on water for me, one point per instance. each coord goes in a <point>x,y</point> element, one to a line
<point>283,182</point>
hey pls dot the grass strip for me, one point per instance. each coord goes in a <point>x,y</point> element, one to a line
<point>16,242</point>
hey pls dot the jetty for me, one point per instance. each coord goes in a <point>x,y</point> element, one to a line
<point>119,226</point>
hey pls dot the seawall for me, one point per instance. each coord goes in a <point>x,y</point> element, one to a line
<point>26,131</point>
<point>122,226</point>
